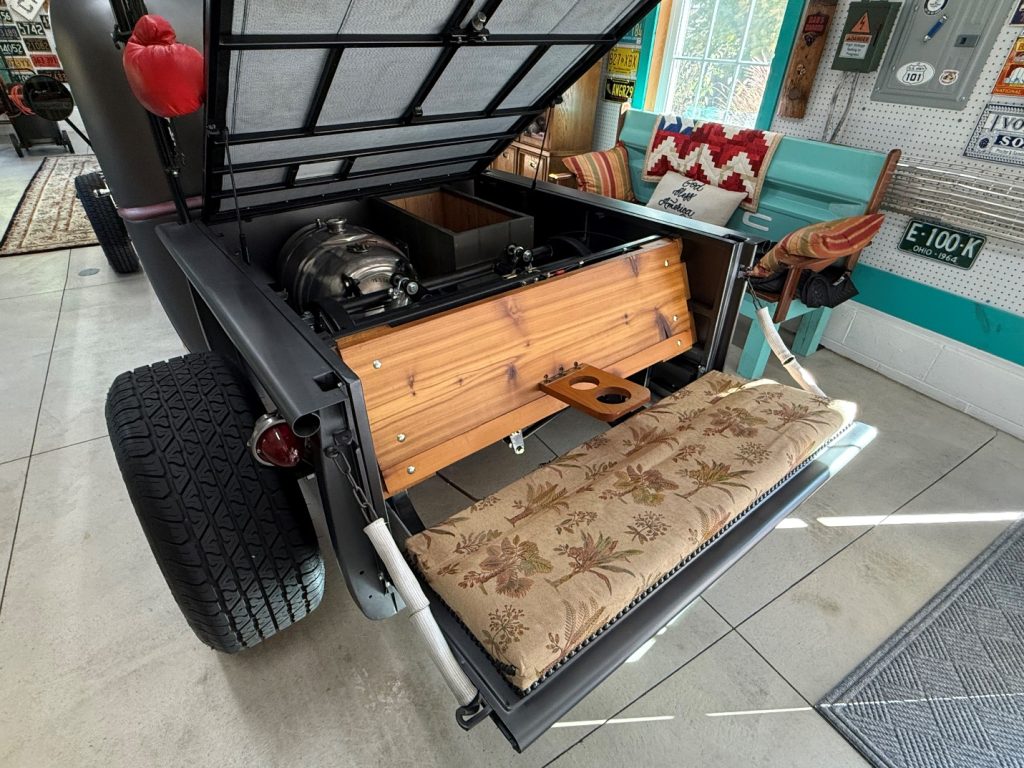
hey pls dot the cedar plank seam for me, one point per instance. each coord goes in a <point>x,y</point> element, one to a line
<point>457,382</point>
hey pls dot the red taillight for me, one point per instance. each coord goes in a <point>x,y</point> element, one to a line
<point>278,446</point>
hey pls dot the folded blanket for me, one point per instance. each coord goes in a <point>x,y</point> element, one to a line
<point>725,156</point>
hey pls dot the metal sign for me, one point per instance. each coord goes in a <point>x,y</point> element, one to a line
<point>999,135</point>
<point>623,60</point>
<point>955,247</point>
<point>27,9</point>
<point>619,89</point>
<point>1011,79</point>
<point>1018,15</point>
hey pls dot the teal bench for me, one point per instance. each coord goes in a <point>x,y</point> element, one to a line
<point>807,182</point>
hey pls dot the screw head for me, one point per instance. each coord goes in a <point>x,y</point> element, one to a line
<point>666,262</point>
<point>675,318</point>
<point>679,343</point>
<point>400,438</point>
<point>410,470</point>
<point>377,363</point>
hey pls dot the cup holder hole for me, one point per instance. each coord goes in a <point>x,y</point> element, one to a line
<point>583,383</point>
<point>614,396</point>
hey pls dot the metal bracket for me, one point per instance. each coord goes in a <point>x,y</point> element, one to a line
<point>472,714</point>
<point>517,443</point>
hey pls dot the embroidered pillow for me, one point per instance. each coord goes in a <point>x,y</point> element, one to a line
<point>725,156</point>
<point>661,157</point>
<point>694,199</point>
<point>603,173</point>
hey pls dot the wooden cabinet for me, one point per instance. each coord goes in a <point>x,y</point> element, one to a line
<point>568,129</point>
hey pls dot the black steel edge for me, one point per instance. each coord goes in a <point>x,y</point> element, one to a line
<point>265,42</point>
<point>257,322</point>
<point>524,719</point>
<point>320,181</point>
<point>326,157</point>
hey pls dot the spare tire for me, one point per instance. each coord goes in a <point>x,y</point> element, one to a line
<point>108,226</point>
<point>232,537</point>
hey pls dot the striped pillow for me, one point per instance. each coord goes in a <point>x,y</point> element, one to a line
<point>603,173</point>
<point>816,246</point>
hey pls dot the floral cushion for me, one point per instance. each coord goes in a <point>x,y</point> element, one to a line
<point>537,568</point>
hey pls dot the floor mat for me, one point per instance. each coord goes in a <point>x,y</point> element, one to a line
<point>49,215</point>
<point>948,688</point>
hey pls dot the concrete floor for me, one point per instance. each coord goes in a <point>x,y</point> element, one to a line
<point>97,667</point>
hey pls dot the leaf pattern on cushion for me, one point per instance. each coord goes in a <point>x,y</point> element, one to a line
<point>739,422</point>
<point>471,543</point>
<point>578,518</point>
<point>715,474</point>
<point>582,619</point>
<point>752,454</point>
<point>647,526</point>
<point>687,452</point>
<point>794,413</point>
<point>511,564</point>
<point>711,521</point>
<point>442,529</point>
<point>505,627</point>
<point>643,437</point>
<point>540,498</point>
<point>644,486</point>
<point>593,557</point>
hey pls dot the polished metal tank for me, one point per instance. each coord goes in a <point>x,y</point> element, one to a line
<point>335,259</point>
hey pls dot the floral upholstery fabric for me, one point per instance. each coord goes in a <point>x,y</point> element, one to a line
<point>538,567</point>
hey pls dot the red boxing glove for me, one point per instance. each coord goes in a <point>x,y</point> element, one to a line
<point>166,76</point>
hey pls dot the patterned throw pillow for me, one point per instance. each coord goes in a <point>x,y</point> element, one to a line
<point>604,173</point>
<point>694,199</point>
<point>725,156</point>
<point>816,246</point>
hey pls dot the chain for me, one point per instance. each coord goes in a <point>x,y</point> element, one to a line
<point>342,462</point>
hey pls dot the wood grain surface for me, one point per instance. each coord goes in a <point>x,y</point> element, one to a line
<point>806,57</point>
<point>451,384</point>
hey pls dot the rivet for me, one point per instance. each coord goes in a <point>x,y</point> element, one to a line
<point>410,470</point>
<point>401,438</point>
<point>376,363</point>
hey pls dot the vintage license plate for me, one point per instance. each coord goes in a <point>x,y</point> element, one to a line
<point>623,61</point>
<point>9,48</point>
<point>999,135</point>
<point>31,28</point>
<point>955,247</point>
<point>37,44</point>
<point>48,60</point>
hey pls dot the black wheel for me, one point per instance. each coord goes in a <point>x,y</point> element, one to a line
<point>108,226</point>
<point>67,143</point>
<point>17,145</point>
<point>232,537</point>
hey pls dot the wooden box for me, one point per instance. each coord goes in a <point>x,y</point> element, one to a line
<point>448,230</point>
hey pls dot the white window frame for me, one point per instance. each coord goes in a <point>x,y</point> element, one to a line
<point>674,38</point>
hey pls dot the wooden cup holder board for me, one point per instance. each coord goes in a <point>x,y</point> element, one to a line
<point>597,393</point>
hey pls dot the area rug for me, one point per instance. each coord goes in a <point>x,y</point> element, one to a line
<point>49,215</point>
<point>948,688</point>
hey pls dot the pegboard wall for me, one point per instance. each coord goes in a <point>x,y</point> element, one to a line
<point>924,134</point>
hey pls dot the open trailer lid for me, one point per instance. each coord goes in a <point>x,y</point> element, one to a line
<point>324,100</point>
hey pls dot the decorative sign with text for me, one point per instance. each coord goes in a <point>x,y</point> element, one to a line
<point>999,135</point>
<point>955,247</point>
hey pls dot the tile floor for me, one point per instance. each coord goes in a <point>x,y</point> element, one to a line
<point>98,669</point>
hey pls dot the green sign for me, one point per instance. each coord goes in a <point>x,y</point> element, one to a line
<point>941,243</point>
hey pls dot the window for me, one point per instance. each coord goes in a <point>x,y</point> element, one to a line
<point>721,65</point>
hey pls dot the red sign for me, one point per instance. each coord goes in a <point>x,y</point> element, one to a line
<point>816,24</point>
<point>45,60</point>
